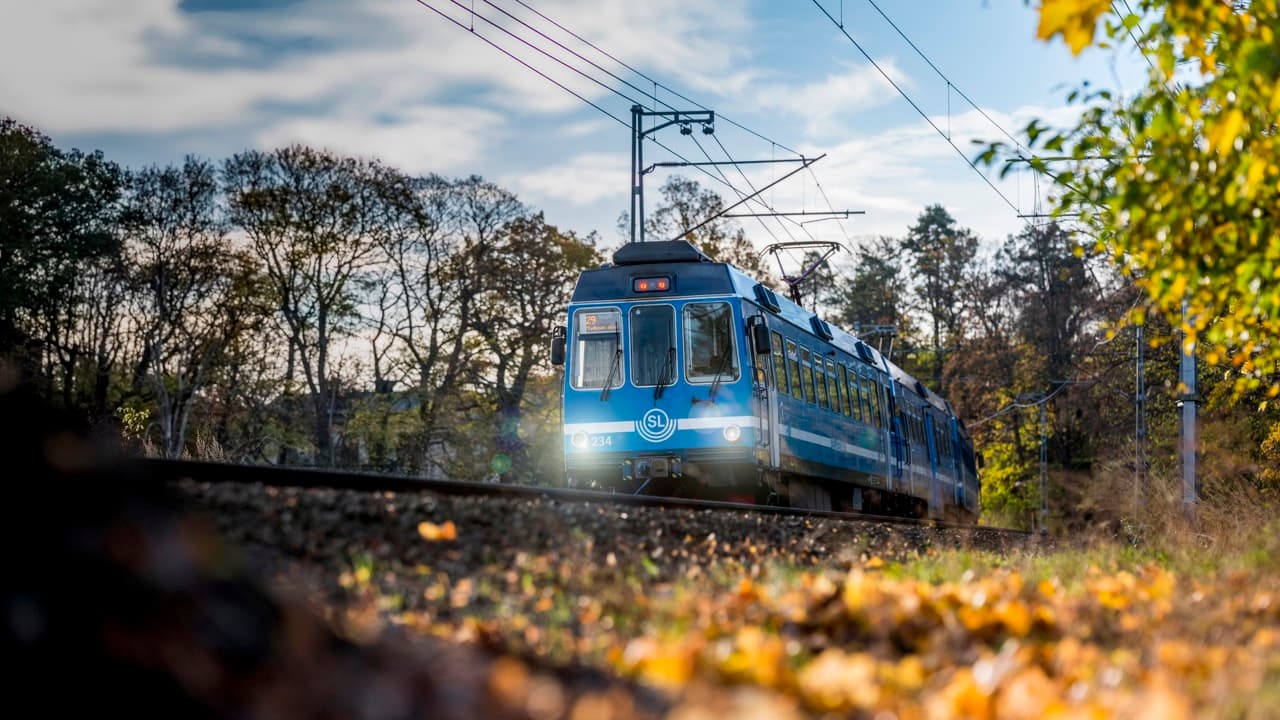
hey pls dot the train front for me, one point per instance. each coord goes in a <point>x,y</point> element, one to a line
<point>658,388</point>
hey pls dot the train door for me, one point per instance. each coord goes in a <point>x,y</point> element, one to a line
<point>897,438</point>
<point>766,349</point>
<point>935,487</point>
<point>957,463</point>
<point>884,426</point>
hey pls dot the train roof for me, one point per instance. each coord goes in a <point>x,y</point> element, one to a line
<point>693,273</point>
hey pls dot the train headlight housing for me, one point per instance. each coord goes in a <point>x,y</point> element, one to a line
<point>579,439</point>
<point>732,433</point>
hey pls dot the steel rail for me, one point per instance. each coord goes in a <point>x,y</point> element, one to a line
<point>312,478</point>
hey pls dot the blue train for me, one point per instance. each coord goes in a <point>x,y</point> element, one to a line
<point>684,376</point>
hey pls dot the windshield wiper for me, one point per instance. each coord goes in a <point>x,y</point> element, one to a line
<point>613,368</point>
<point>715,383</point>
<point>668,369</point>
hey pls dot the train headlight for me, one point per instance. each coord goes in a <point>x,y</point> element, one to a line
<point>732,433</point>
<point>579,439</point>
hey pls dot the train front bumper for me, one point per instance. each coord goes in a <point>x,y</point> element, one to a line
<point>688,469</point>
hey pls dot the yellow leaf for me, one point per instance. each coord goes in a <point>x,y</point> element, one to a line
<point>432,532</point>
<point>1027,695</point>
<point>839,682</point>
<point>1075,19</point>
<point>1257,169</point>
<point>961,697</point>
<point>1224,132</point>
<point>1015,616</point>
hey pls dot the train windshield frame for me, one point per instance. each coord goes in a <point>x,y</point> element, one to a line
<point>597,344</point>
<point>710,344</point>
<point>653,340</point>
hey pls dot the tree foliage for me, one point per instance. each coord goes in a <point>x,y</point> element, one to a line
<point>875,291</point>
<point>313,221</point>
<point>57,211</point>
<point>1180,181</point>
<point>297,305</point>
<point>187,281</point>
<point>940,257</point>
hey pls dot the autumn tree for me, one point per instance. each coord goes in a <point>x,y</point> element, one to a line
<point>57,220</point>
<point>875,292</point>
<point>1180,180</point>
<point>436,271</point>
<point>533,269</point>
<point>940,257</point>
<point>85,343</point>
<point>314,221</point>
<point>186,297</point>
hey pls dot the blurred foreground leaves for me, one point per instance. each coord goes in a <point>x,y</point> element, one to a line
<point>1073,634</point>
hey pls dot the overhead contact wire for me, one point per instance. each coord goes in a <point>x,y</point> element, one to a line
<point>916,107</point>
<point>721,179</point>
<point>655,82</point>
<point>950,85</point>
<point>559,84</point>
<point>511,55</point>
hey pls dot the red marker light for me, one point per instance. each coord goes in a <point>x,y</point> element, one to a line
<point>651,284</point>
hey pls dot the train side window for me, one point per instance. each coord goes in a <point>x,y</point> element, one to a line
<point>708,340</point>
<point>820,380</point>
<point>806,372</point>
<point>856,392</point>
<point>844,383</point>
<point>779,362</point>
<point>793,366</point>
<point>597,348</point>
<point>833,390</point>
<point>864,392</point>
<point>875,402</point>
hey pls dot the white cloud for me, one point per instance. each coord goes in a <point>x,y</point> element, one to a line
<point>893,174</point>
<point>830,105</point>
<point>391,72</point>
<point>428,139</point>
<point>583,180</point>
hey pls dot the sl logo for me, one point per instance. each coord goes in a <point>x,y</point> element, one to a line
<point>656,426</point>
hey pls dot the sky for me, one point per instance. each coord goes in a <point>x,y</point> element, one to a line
<point>151,81</point>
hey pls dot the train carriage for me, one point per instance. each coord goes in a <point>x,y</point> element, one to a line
<point>685,376</point>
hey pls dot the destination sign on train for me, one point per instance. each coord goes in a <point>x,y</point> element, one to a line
<point>600,322</point>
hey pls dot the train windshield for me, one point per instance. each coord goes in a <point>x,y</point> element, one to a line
<point>653,338</point>
<point>596,349</point>
<point>708,338</point>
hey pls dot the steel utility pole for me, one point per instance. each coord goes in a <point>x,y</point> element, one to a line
<point>1044,467</point>
<point>685,119</point>
<point>1139,424</point>
<point>1187,400</point>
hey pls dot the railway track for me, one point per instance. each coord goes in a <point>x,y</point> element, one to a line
<point>308,478</point>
